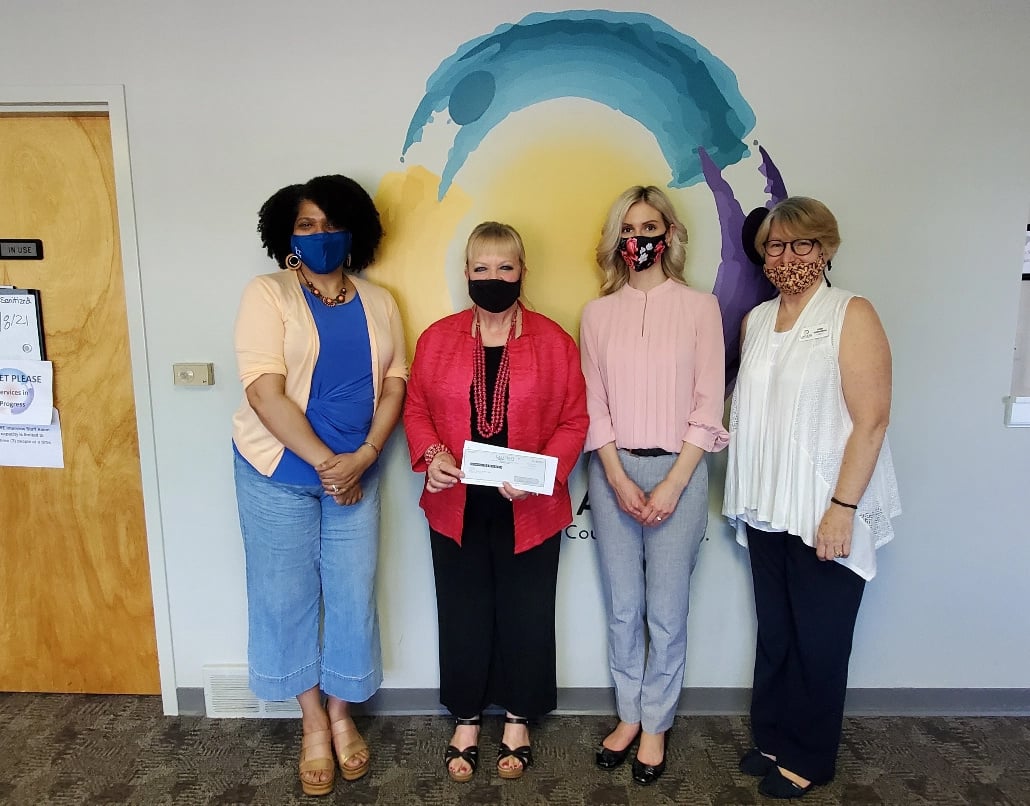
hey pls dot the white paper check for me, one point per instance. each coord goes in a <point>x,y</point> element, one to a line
<point>491,466</point>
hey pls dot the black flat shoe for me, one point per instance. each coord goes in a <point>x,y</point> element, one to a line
<point>647,774</point>
<point>754,763</point>
<point>608,759</point>
<point>776,785</point>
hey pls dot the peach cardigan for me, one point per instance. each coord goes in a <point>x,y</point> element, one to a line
<point>275,333</point>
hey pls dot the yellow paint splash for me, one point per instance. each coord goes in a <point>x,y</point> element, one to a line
<point>556,192</point>
<point>418,228</point>
<point>554,189</point>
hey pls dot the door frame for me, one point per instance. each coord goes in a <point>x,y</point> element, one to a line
<point>110,99</point>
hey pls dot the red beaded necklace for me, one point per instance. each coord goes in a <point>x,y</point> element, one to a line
<point>489,426</point>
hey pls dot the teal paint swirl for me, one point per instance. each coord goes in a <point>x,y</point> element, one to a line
<point>632,63</point>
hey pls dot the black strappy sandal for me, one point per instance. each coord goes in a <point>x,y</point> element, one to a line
<point>524,754</point>
<point>470,755</point>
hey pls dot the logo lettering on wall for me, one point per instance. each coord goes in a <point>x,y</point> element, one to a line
<point>574,532</point>
<point>581,528</point>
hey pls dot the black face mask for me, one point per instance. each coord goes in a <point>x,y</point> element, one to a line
<point>494,295</point>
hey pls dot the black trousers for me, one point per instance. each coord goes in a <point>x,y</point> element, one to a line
<point>806,621</point>
<point>496,616</point>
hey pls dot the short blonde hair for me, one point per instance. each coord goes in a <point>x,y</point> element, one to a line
<point>494,233</point>
<point>616,272</point>
<point>802,217</point>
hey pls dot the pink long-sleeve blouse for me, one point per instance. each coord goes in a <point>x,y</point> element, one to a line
<point>654,365</point>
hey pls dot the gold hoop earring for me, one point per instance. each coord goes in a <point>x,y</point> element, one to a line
<point>292,261</point>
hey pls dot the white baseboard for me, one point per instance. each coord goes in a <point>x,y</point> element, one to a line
<point>226,695</point>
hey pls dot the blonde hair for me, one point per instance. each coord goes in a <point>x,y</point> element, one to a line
<point>616,272</point>
<point>493,233</point>
<point>802,217</point>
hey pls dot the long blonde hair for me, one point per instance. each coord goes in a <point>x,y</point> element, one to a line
<point>616,272</point>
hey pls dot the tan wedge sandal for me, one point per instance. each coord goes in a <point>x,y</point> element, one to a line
<point>316,756</point>
<point>347,749</point>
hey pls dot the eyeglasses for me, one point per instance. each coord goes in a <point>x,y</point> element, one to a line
<point>799,246</point>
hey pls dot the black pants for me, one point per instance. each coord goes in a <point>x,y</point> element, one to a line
<point>496,616</point>
<point>806,620</point>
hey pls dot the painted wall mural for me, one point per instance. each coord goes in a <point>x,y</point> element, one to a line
<point>544,121</point>
<point>632,63</point>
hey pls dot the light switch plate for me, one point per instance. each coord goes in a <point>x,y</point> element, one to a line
<point>1017,412</point>
<point>193,374</point>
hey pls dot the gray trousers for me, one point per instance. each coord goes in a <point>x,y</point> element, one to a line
<point>645,577</point>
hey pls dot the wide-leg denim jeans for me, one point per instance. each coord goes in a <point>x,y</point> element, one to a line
<point>309,557</point>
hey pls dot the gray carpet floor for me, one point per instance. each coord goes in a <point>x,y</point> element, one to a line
<point>61,749</point>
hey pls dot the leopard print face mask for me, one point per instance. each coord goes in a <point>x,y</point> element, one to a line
<point>795,276</point>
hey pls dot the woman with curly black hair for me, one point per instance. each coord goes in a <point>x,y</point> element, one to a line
<point>322,360</point>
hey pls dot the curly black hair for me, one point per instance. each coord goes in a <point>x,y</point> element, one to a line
<point>344,202</point>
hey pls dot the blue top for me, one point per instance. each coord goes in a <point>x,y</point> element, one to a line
<point>341,402</point>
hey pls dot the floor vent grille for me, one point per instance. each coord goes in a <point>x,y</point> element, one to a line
<point>228,696</point>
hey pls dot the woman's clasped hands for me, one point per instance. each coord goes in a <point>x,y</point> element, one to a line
<point>341,473</point>
<point>649,509</point>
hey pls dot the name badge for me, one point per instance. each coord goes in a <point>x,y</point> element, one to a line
<point>814,332</point>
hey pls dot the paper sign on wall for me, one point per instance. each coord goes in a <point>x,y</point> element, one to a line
<point>26,392</point>
<point>32,445</point>
<point>21,324</point>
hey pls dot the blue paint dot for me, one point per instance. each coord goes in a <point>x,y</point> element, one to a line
<point>471,97</point>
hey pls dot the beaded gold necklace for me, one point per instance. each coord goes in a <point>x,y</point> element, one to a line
<point>490,425</point>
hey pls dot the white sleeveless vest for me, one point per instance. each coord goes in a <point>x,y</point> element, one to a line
<point>788,427</point>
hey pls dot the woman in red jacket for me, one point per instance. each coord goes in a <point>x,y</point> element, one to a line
<point>499,374</point>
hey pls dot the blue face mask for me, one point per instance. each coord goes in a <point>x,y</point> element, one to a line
<point>323,252</point>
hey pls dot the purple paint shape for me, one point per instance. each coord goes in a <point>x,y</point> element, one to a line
<point>774,184</point>
<point>740,285</point>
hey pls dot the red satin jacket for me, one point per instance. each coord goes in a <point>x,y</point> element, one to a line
<point>547,414</point>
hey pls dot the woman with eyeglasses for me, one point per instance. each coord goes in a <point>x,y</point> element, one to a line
<point>810,489</point>
<point>654,363</point>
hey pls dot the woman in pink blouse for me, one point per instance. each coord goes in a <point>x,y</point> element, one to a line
<point>654,364</point>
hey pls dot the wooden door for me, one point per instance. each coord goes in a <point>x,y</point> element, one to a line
<point>76,611</point>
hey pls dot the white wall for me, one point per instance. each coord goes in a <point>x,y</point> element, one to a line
<point>1021,353</point>
<point>909,119</point>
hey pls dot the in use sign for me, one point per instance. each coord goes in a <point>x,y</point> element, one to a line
<point>21,249</point>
